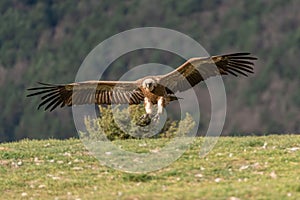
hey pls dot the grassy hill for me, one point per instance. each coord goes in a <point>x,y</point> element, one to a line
<point>237,168</point>
<point>47,41</point>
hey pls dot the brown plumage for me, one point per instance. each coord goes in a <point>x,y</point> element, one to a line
<point>88,92</point>
<point>151,88</point>
<point>196,70</point>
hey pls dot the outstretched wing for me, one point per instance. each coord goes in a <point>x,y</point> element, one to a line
<point>196,70</point>
<point>89,92</point>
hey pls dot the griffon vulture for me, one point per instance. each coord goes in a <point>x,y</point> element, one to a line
<point>152,90</point>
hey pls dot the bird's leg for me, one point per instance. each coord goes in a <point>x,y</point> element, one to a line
<point>160,109</point>
<point>145,119</point>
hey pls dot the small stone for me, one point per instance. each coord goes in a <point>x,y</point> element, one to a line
<point>199,175</point>
<point>294,149</point>
<point>77,168</point>
<point>24,194</point>
<point>67,154</point>
<point>273,175</point>
<point>55,178</point>
<point>217,180</point>
<point>265,145</point>
<point>41,186</point>
<point>120,193</point>
<point>244,167</point>
<point>47,145</point>
<point>154,150</point>
<point>234,198</point>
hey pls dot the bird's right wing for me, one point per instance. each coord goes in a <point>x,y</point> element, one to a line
<point>88,92</point>
<point>196,70</point>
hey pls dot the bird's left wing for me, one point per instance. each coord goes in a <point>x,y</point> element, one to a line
<point>88,92</point>
<point>196,70</point>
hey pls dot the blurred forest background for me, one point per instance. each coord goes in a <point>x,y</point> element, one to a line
<point>48,40</point>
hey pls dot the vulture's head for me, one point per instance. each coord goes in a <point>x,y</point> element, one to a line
<point>149,84</point>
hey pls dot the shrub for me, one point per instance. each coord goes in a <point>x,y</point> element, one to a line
<point>119,122</point>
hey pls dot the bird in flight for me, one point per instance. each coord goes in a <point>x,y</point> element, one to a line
<point>151,90</point>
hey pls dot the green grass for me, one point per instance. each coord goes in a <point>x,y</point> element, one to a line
<point>241,167</point>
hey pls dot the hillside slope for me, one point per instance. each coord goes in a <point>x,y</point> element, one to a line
<point>237,168</point>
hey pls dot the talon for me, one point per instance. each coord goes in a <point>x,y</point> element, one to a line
<point>156,118</point>
<point>144,120</point>
<point>144,116</point>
